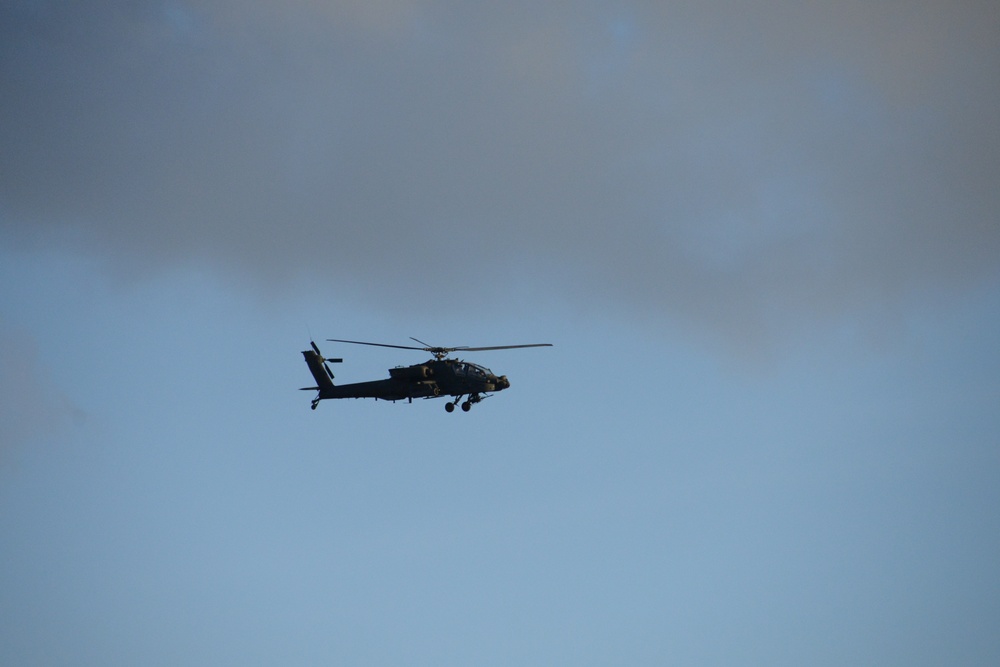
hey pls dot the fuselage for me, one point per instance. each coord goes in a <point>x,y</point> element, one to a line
<point>431,379</point>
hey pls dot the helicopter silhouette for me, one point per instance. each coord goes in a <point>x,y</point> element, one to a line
<point>434,378</point>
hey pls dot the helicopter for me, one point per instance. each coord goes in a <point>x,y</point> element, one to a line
<point>435,378</point>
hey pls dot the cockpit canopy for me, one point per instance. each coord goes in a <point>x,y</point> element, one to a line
<point>465,368</point>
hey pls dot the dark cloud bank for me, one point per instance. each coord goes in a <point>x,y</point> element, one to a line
<point>728,164</point>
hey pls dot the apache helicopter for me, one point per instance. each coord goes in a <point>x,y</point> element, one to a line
<point>434,378</point>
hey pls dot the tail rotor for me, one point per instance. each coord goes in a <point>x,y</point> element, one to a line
<point>324,360</point>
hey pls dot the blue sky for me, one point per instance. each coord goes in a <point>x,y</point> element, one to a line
<point>764,245</point>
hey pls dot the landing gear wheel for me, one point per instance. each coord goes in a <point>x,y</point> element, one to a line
<point>449,407</point>
<point>466,406</point>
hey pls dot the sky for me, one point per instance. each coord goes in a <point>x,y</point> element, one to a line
<point>763,238</point>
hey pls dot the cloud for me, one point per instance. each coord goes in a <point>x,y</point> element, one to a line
<point>34,405</point>
<point>736,166</point>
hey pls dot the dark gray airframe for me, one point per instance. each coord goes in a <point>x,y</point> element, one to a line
<point>434,378</point>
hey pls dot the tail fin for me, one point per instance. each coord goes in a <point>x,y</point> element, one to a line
<point>320,371</point>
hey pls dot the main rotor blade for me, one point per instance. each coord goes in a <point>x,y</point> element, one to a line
<point>466,348</point>
<point>361,342</point>
<point>439,350</point>
<point>500,347</point>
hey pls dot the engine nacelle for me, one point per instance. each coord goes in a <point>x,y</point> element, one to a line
<point>411,373</point>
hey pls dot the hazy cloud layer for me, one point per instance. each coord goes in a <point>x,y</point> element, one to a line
<point>34,402</point>
<point>734,164</point>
